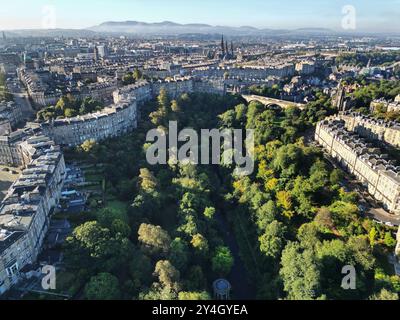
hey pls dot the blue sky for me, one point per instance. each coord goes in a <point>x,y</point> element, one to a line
<point>372,15</point>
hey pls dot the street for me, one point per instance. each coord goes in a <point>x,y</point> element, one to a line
<point>21,98</point>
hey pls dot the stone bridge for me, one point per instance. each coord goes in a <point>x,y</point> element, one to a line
<point>270,101</point>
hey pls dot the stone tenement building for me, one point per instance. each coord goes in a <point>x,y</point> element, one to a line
<point>389,106</point>
<point>101,91</point>
<point>378,174</point>
<point>306,67</point>
<point>110,122</point>
<point>122,116</point>
<point>5,126</point>
<point>145,91</point>
<point>38,88</point>
<point>11,112</point>
<point>13,150</point>
<point>141,89</point>
<point>371,128</point>
<point>25,211</point>
<point>248,72</point>
<point>10,153</point>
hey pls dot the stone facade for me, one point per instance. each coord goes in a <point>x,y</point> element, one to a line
<point>248,72</point>
<point>378,174</point>
<point>388,106</point>
<point>305,67</point>
<point>10,153</point>
<point>5,126</point>
<point>25,211</point>
<point>110,122</point>
<point>12,112</point>
<point>145,91</point>
<point>371,128</point>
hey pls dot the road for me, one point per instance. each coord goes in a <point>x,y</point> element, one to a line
<point>21,98</point>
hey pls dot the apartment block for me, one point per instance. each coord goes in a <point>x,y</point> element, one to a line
<point>379,174</point>
<point>371,128</point>
<point>26,209</point>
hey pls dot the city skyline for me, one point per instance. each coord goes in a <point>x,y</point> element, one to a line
<point>371,16</point>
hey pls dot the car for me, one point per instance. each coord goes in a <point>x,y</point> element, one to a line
<point>362,208</point>
<point>389,224</point>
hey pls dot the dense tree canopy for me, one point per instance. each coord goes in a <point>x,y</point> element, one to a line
<point>294,224</point>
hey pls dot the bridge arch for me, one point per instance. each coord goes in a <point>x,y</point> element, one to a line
<point>271,101</point>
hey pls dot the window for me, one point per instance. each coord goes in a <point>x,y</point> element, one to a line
<point>12,270</point>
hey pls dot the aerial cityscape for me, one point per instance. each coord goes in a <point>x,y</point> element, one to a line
<point>211,151</point>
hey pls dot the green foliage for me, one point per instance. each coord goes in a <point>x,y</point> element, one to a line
<point>179,253</point>
<point>272,92</point>
<point>154,239</point>
<point>88,146</point>
<point>200,244</point>
<point>168,275</point>
<point>104,286</point>
<point>385,294</point>
<point>194,296</point>
<point>272,241</point>
<point>222,261</point>
<point>148,182</point>
<point>365,94</point>
<point>5,94</point>
<point>92,237</point>
<point>107,216</point>
<point>68,107</point>
<point>362,59</point>
<point>389,240</point>
<point>132,77</point>
<point>308,235</point>
<point>293,194</point>
<point>209,212</point>
<point>300,273</point>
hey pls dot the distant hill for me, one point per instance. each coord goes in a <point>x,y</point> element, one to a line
<point>169,28</point>
<point>172,28</point>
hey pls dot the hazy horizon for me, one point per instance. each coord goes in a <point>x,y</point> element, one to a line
<point>371,16</point>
